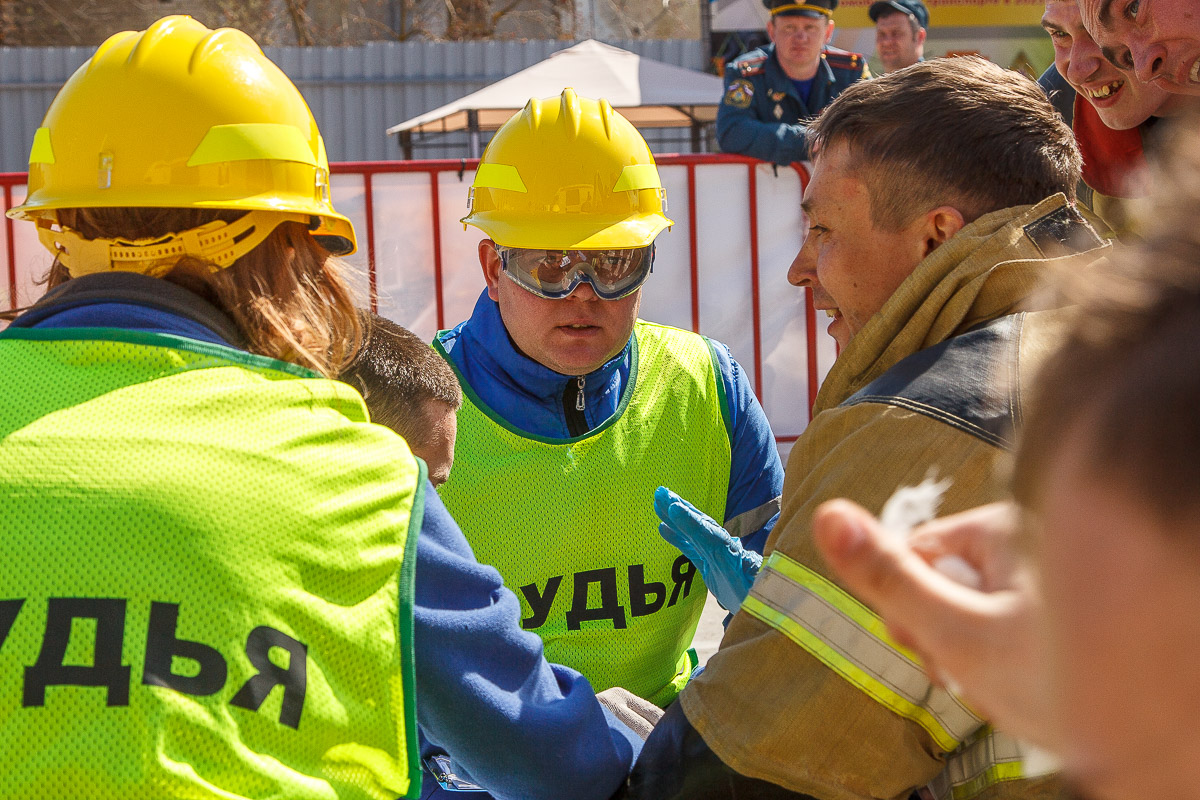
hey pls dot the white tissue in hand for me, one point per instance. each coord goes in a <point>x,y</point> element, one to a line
<point>909,506</point>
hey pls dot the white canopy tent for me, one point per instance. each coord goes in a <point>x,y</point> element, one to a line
<point>649,93</point>
<point>739,15</point>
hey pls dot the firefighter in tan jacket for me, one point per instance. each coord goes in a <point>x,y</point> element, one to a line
<point>940,198</point>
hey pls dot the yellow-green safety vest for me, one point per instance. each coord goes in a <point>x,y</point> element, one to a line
<point>205,575</point>
<point>570,523</point>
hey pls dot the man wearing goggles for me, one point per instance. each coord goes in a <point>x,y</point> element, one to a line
<point>554,274</point>
<point>575,411</point>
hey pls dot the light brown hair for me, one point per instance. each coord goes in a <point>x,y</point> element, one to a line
<point>289,297</point>
<point>1126,380</point>
<point>960,132</point>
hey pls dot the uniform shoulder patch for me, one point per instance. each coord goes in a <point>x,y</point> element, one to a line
<point>739,93</point>
<point>751,66</point>
<point>843,59</point>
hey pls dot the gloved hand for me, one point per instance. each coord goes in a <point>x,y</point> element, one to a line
<point>727,568</point>
<point>639,715</point>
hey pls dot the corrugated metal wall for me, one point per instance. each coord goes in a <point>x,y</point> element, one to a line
<point>355,93</point>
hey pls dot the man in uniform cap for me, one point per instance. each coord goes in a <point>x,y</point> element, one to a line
<point>771,91</point>
<point>900,27</point>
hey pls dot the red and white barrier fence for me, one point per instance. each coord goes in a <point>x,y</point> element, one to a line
<point>721,270</point>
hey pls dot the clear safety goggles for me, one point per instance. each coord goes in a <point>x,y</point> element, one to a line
<point>554,274</point>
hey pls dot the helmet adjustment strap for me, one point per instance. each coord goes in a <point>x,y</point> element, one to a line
<point>216,243</point>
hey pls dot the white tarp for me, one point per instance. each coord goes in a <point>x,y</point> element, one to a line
<point>649,93</point>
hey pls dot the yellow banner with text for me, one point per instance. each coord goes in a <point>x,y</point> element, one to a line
<point>953,13</point>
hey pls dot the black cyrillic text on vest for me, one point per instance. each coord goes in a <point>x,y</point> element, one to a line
<point>162,645</point>
<point>8,615</point>
<point>539,604</point>
<point>609,608</point>
<point>293,678</point>
<point>644,597</point>
<point>84,638</point>
<point>108,636</point>
<point>639,590</point>
<point>682,572</point>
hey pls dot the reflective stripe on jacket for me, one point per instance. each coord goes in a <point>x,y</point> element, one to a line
<point>807,692</point>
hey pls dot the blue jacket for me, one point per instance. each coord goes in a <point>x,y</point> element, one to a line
<point>530,397</point>
<point>521,726</point>
<point>761,113</point>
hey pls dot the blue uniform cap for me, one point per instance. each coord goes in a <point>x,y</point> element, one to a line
<point>911,8</point>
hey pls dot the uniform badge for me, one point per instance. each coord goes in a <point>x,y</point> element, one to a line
<point>778,111</point>
<point>776,95</point>
<point>739,94</point>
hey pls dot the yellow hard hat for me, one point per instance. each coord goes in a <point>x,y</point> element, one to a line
<point>180,116</point>
<point>568,173</point>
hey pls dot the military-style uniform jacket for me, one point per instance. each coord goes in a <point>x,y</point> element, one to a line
<point>1114,162</point>
<point>808,697</point>
<point>761,114</point>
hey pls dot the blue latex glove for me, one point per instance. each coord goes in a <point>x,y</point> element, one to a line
<point>728,569</point>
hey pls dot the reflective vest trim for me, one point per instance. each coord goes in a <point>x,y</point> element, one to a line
<point>408,591</point>
<point>986,759</point>
<point>848,638</point>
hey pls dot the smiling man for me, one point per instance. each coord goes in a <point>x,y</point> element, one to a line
<point>1110,112</point>
<point>939,197</point>
<point>1156,40</point>
<point>575,411</point>
<point>771,92</point>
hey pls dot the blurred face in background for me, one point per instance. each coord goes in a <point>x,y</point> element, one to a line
<point>1120,585</point>
<point>798,43</point>
<point>899,41</point>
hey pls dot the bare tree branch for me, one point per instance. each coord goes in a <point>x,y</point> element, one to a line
<point>300,21</point>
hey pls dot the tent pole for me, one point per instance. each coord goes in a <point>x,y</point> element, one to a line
<point>473,127</point>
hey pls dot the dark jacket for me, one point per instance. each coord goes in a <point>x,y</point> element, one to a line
<point>761,113</point>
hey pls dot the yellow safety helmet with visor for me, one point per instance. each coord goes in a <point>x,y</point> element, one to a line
<point>568,173</point>
<point>235,134</point>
